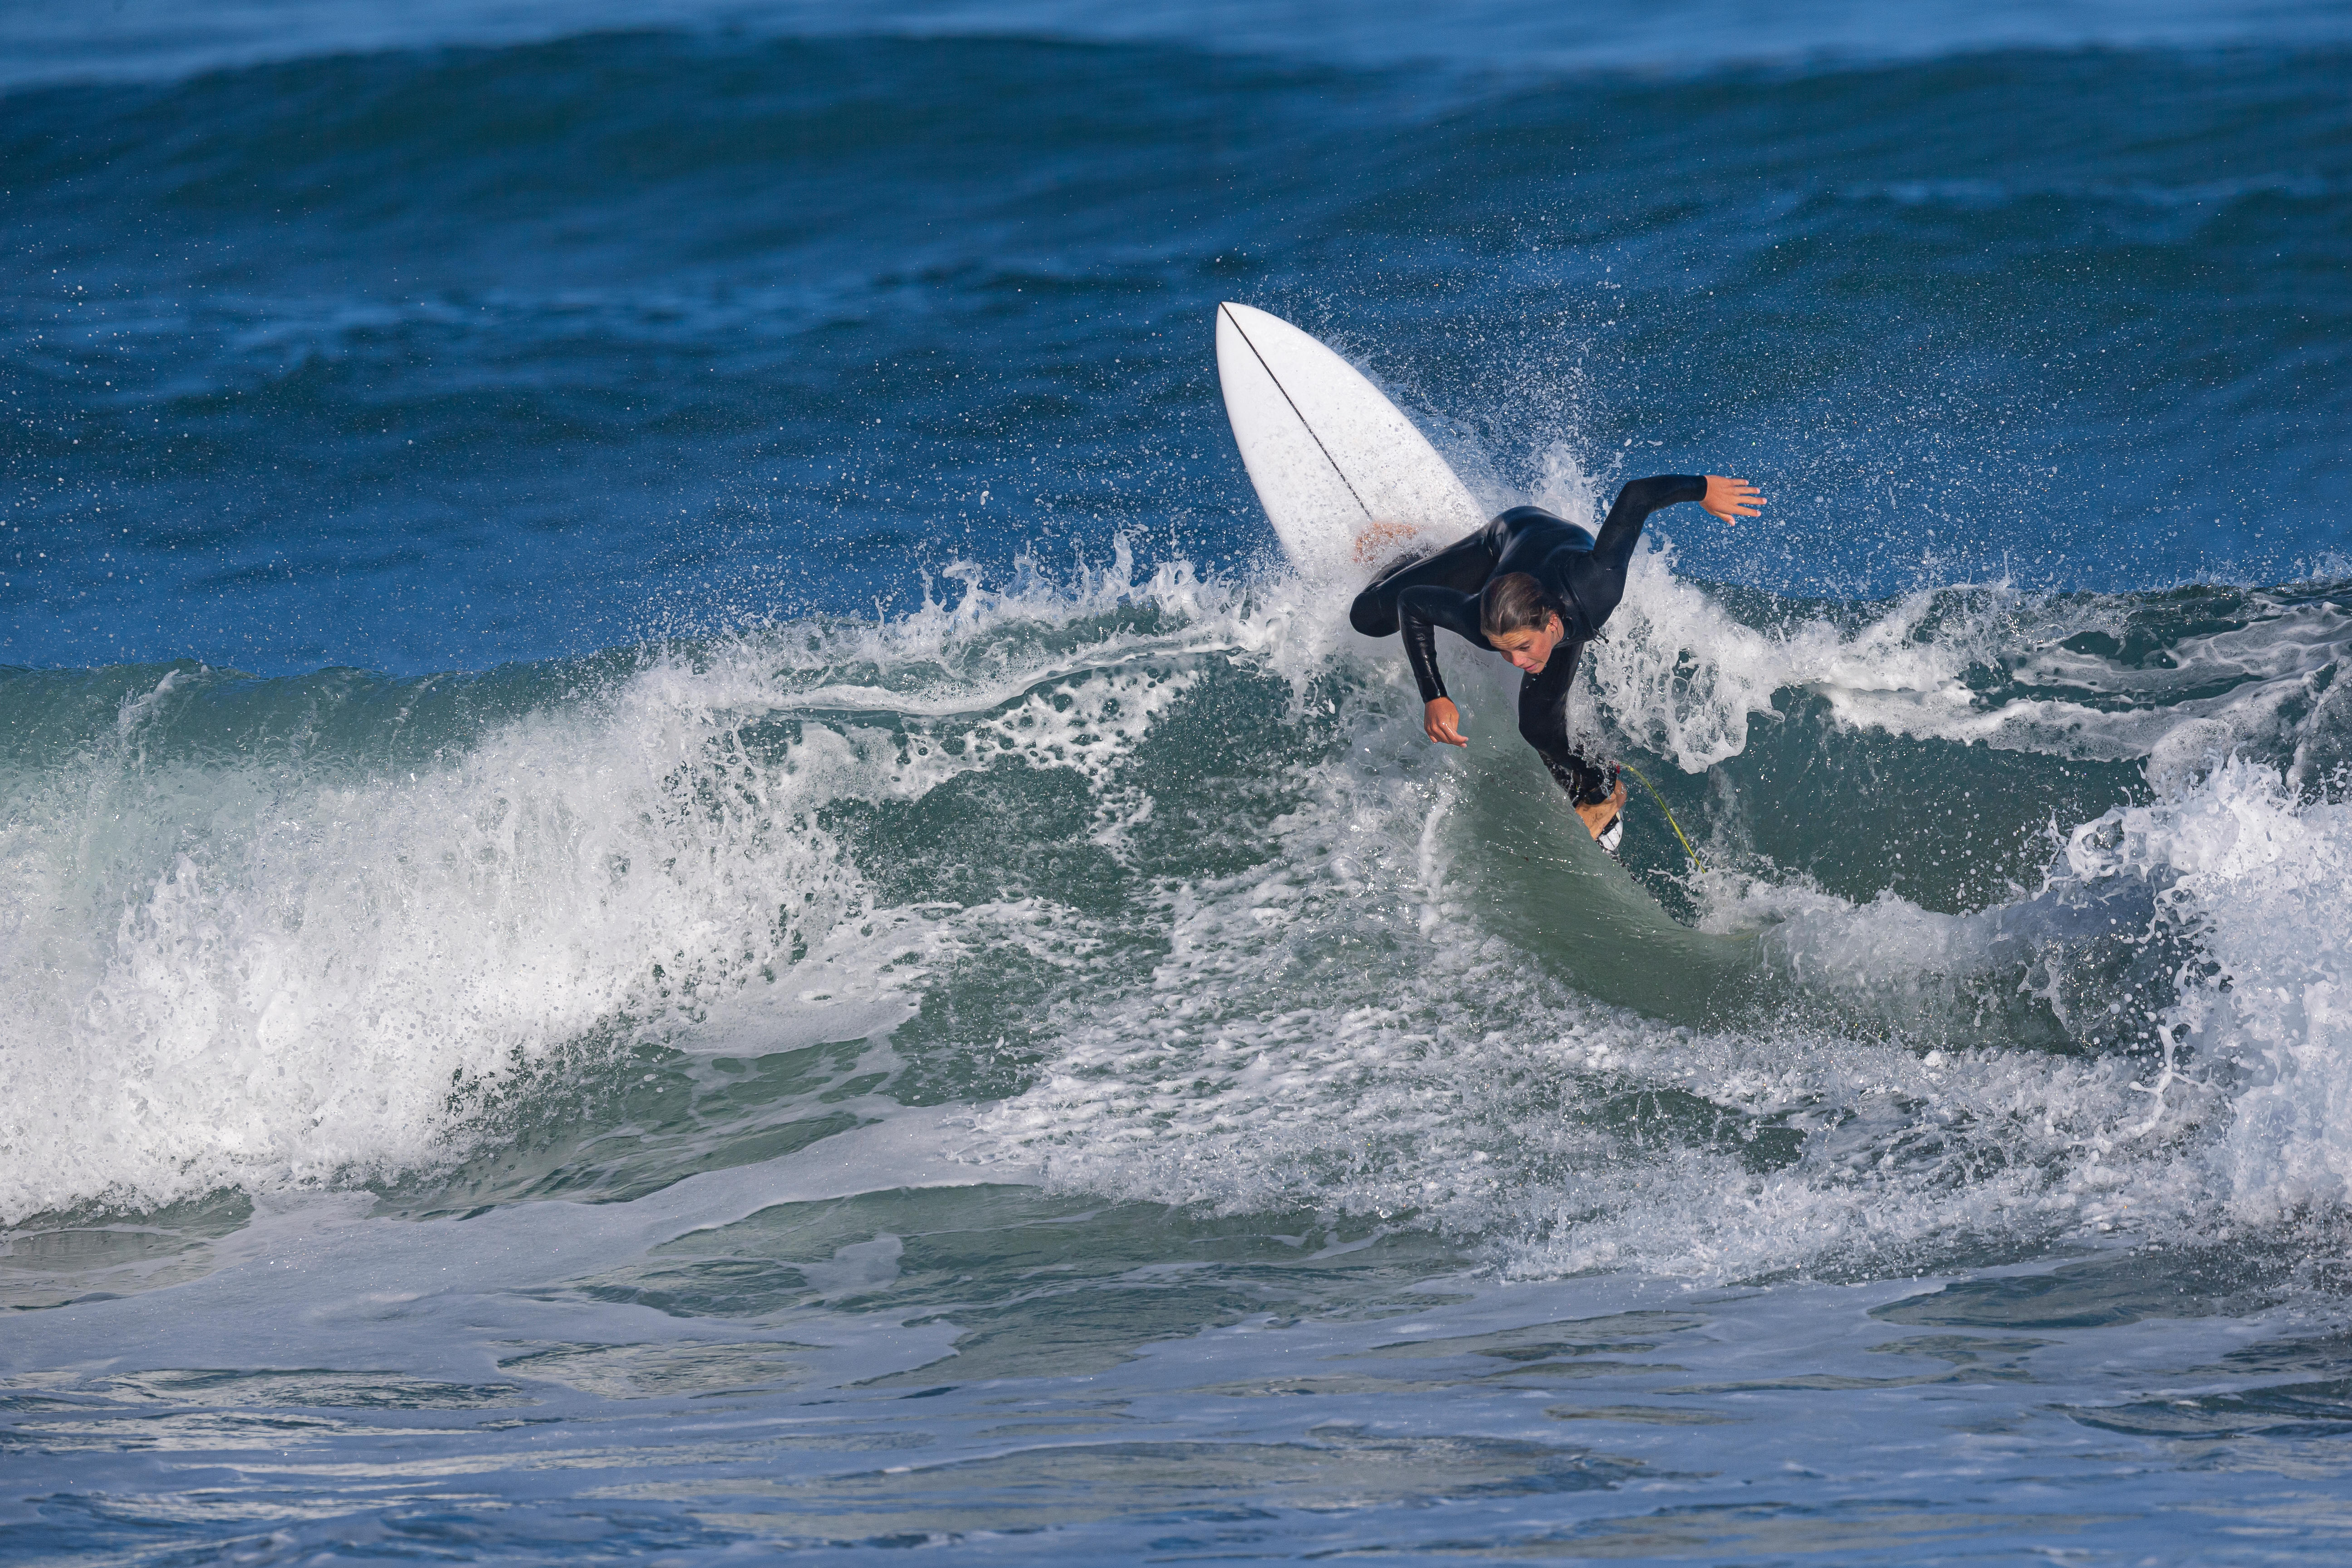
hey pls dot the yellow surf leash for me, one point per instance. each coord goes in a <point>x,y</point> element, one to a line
<point>1695,863</point>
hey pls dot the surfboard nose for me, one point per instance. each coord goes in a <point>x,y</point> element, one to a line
<point>1344,476</point>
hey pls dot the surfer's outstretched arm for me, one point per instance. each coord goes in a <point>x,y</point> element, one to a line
<point>1730,499</point>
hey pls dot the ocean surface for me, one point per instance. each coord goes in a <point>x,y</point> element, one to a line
<point>681,878</point>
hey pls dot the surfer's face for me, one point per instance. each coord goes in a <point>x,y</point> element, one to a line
<point>1531,649</point>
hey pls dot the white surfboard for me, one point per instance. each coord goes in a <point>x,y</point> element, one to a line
<point>1348,481</point>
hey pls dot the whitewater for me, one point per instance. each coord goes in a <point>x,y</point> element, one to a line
<point>345,915</point>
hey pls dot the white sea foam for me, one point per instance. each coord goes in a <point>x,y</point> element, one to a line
<point>2264,880</point>
<point>1474,1096</point>
<point>1487,1096</point>
<point>265,970</point>
<point>254,971</point>
<point>1680,675</point>
<point>291,993</point>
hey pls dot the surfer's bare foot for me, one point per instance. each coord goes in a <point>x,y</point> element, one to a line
<point>1597,818</point>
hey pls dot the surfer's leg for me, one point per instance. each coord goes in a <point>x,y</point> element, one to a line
<point>1543,725</point>
<point>1462,566</point>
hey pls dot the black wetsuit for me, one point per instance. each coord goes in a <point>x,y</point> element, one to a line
<point>1582,578</point>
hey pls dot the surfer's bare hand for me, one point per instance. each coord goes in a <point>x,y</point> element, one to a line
<point>1731,499</point>
<point>1442,722</point>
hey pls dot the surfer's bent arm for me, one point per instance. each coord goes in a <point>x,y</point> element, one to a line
<point>1444,588</point>
<point>1420,612</point>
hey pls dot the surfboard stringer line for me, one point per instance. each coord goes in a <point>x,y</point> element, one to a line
<point>1303,422</point>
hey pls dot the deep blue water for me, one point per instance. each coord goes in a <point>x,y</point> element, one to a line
<point>662,787</point>
<point>449,356</point>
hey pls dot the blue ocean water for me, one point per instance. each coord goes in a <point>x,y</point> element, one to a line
<point>683,878</point>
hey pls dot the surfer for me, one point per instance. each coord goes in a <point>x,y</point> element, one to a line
<point>1535,589</point>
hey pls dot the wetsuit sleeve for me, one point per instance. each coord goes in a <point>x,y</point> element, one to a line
<point>1634,506</point>
<point>1422,611</point>
<point>1444,587</point>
